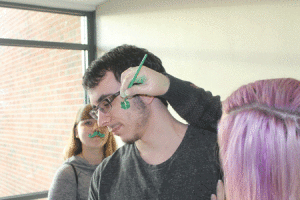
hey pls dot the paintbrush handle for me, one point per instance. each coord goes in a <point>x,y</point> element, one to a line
<point>137,72</point>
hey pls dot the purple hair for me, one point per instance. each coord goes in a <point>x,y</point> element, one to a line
<point>259,140</point>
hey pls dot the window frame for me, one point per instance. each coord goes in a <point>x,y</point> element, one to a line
<point>89,55</point>
<point>89,48</point>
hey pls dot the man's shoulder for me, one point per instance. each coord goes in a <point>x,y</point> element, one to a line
<point>200,139</point>
<point>195,131</point>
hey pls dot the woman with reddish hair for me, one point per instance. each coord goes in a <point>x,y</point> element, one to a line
<point>259,140</point>
<point>88,145</point>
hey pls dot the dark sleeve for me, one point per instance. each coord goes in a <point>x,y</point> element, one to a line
<point>197,106</point>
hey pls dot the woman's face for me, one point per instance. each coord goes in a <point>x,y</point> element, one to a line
<point>89,126</point>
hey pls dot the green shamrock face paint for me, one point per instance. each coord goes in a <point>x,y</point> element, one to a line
<point>96,133</point>
<point>125,104</point>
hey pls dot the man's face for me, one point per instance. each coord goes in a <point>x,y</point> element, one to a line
<point>129,124</point>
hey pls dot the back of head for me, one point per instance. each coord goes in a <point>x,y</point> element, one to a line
<point>259,139</point>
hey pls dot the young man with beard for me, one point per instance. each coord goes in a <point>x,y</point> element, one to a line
<point>162,158</point>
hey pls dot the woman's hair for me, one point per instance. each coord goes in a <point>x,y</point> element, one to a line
<point>74,146</point>
<point>259,139</point>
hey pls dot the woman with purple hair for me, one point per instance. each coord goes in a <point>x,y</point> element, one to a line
<point>259,139</point>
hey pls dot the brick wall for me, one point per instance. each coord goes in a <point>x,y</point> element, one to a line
<point>40,92</point>
<point>32,25</point>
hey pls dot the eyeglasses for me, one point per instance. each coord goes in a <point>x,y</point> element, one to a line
<point>104,106</point>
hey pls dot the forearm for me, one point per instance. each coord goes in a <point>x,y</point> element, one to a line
<point>197,106</point>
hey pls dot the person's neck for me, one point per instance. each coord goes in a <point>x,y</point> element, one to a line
<point>93,156</point>
<point>162,137</point>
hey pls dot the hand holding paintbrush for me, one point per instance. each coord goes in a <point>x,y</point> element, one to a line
<point>125,104</point>
<point>148,82</point>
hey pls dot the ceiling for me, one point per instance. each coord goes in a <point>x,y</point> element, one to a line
<point>83,5</point>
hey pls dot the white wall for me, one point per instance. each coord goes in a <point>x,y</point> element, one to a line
<point>218,45</point>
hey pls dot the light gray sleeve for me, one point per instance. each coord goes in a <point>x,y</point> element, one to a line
<point>64,185</point>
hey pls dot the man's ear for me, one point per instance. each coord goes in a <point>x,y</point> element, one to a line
<point>147,99</point>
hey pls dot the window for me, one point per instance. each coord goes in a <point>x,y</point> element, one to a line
<point>43,54</point>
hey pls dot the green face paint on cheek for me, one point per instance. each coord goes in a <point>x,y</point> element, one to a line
<point>125,104</point>
<point>96,133</point>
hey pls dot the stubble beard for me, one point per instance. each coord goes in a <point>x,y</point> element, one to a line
<point>143,118</point>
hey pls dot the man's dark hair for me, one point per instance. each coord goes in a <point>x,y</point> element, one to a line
<point>117,61</point>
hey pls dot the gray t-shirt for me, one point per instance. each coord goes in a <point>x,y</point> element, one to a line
<point>64,185</point>
<point>191,173</point>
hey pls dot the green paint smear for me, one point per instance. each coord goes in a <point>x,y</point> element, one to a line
<point>96,133</point>
<point>141,80</point>
<point>125,104</point>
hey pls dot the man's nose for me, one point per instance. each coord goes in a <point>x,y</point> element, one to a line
<point>103,119</point>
